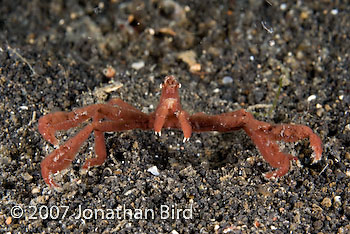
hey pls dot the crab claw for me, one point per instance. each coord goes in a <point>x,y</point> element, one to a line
<point>169,112</point>
<point>186,139</point>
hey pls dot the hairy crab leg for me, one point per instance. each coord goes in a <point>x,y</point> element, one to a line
<point>222,123</point>
<point>270,151</point>
<point>100,145</point>
<point>50,123</point>
<point>124,105</point>
<point>292,133</point>
<point>122,119</point>
<point>265,135</point>
<point>62,157</point>
<point>100,151</point>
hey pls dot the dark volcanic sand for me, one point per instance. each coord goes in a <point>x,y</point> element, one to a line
<point>52,56</point>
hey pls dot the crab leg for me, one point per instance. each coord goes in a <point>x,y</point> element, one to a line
<point>242,119</point>
<point>100,151</point>
<point>265,135</point>
<point>49,124</point>
<point>62,157</point>
<point>270,151</point>
<point>222,123</point>
<point>292,133</point>
<point>124,105</point>
<point>100,145</point>
<point>56,121</point>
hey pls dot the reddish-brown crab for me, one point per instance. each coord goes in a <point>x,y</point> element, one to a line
<point>117,115</point>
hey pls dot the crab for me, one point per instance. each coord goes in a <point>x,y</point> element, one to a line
<point>117,115</point>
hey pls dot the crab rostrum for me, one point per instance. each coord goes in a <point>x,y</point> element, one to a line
<point>117,116</point>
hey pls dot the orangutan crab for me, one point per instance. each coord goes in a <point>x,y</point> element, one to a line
<point>117,115</point>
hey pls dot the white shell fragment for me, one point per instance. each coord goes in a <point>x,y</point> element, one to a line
<point>153,170</point>
<point>138,65</point>
<point>311,98</point>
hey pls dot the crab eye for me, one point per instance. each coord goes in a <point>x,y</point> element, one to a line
<point>179,86</point>
<point>161,86</point>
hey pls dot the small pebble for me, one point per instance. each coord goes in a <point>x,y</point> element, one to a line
<point>347,155</point>
<point>151,31</point>
<point>189,57</point>
<point>27,176</point>
<point>23,108</point>
<point>195,68</point>
<point>304,15</point>
<point>327,107</point>
<point>337,200</point>
<point>318,224</point>
<point>8,220</point>
<point>311,98</point>
<point>227,80</point>
<point>319,112</point>
<point>131,191</point>
<point>35,190</point>
<point>153,170</point>
<point>347,127</point>
<point>283,6</point>
<point>327,202</point>
<point>108,72</point>
<point>334,11</point>
<point>117,172</point>
<point>41,199</point>
<point>347,173</point>
<point>138,65</point>
<point>135,145</point>
<point>216,90</point>
<point>216,227</point>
